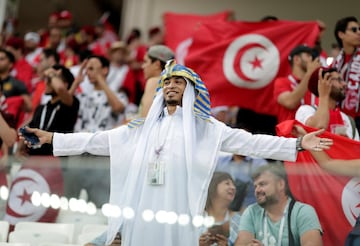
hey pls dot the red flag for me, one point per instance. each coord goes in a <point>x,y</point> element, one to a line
<point>40,174</point>
<point>179,29</point>
<point>336,199</point>
<point>238,61</point>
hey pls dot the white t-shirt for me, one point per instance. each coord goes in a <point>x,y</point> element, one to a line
<point>304,112</point>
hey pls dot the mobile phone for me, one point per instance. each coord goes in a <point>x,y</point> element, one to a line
<point>218,229</point>
<point>29,137</point>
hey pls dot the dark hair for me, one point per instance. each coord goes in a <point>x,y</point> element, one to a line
<point>217,178</point>
<point>162,64</point>
<point>104,62</point>
<point>278,170</point>
<point>313,81</point>
<point>51,53</point>
<point>8,55</point>
<point>341,26</point>
<point>269,18</point>
<point>84,54</point>
<point>66,75</point>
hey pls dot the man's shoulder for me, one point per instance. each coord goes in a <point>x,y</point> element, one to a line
<point>301,208</point>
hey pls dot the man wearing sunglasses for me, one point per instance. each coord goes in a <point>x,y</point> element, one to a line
<point>347,63</point>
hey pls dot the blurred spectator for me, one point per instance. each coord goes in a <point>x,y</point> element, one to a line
<point>11,86</point>
<point>347,63</point>
<point>65,20</point>
<point>48,58</point>
<point>328,85</point>
<point>136,58</point>
<point>121,77</point>
<point>21,70</point>
<point>56,40</point>
<point>154,62</point>
<point>69,57</point>
<point>292,91</point>
<point>59,113</point>
<point>156,36</point>
<point>32,49</point>
<point>99,109</point>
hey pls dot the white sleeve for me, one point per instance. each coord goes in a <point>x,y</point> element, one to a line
<point>304,112</point>
<point>82,142</point>
<point>241,142</point>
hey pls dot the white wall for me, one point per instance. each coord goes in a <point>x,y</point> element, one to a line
<point>147,13</point>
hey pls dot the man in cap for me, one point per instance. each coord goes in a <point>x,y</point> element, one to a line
<point>121,77</point>
<point>32,48</point>
<point>154,62</point>
<point>292,91</point>
<point>328,85</point>
<point>161,166</point>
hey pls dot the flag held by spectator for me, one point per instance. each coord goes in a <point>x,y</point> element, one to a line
<point>179,28</point>
<point>336,199</point>
<point>238,61</point>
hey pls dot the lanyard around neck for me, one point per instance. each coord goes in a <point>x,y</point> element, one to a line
<point>281,229</point>
<point>52,116</point>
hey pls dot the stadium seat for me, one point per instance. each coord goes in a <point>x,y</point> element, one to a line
<point>4,230</point>
<point>35,238</point>
<point>67,230</point>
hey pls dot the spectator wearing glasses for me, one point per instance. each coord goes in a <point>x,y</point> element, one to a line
<point>328,85</point>
<point>347,63</point>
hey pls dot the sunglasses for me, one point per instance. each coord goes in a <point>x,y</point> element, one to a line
<point>354,29</point>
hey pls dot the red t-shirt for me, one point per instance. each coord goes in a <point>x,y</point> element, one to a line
<point>284,84</point>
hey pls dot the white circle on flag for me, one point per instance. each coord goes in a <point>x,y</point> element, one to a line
<point>20,207</point>
<point>182,50</point>
<point>350,200</point>
<point>251,61</point>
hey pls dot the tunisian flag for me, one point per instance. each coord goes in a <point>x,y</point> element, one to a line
<point>238,61</point>
<point>336,199</point>
<point>180,27</point>
<point>40,174</point>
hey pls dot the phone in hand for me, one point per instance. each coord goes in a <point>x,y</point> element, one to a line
<point>218,229</point>
<point>29,137</point>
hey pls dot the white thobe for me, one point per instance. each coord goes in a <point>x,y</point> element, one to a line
<point>185,189</point>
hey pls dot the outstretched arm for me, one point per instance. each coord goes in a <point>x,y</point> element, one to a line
<point>337,166</point>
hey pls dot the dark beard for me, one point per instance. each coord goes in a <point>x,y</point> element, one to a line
<point>51,93</point>
<point>172,102</point>
<point>270,200</point>
<point>337,95</point>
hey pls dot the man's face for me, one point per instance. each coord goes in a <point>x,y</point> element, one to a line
<point>305,58</point>
<point>338,87</point>
<point>351,36</point>
<point>173,90</point>
<point>94,69</point>
<point>150,68</point>
<point>267,188</point>
<point>5,64</point>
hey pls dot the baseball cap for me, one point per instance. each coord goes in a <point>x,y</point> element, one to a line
<point>32,36</point>
<point>298,50</point>
<point>314,79</point>
<point>161,52</point>
<point>65,15</point>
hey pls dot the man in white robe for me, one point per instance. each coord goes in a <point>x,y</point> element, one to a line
<point>162,165</point>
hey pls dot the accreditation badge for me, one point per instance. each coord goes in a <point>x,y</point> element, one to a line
<point>156,173</point>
